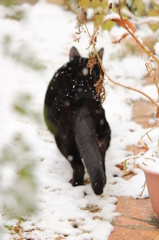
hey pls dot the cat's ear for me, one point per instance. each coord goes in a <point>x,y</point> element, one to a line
<point>74,53</point>
<point>100,53</point>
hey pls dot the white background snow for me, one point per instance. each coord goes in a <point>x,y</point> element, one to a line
<point>47,32</point>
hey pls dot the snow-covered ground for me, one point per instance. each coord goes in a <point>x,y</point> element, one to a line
<point>46,33</point>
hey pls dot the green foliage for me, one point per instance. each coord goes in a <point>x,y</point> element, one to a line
<point>102,8</point>
<point>107,25</point>
<point>70,1</point>
<point>22,55</point>
<point>17,182</point>
<point>92,4</point>
<point>16,176</point>
<point>17,15</point>
<point>155,5</point>
<point>18,185</point>
<point>138,7</point>
<point>22,106</point>
<point>7,3</point>
<point>153,13</point>
<point>9,227</point>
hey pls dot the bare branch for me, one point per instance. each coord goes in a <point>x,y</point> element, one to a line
<point>139,20</point>
<point>138,41</point>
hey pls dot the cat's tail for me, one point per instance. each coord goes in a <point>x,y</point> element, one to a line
<point>86,140</point>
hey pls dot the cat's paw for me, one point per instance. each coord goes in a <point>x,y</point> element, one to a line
<point>76,182</point>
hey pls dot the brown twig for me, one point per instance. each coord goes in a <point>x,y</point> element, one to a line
<point>73,9</point>
<point>116,83</point>
<point>146,50</point>
<point>121,85</point>
<point>143,189</point>
<point>132,34</point>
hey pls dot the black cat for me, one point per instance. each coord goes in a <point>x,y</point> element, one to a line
<point>76,118</point>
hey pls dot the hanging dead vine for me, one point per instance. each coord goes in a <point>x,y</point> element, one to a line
<point>93,39</point>
<point>100,89</point>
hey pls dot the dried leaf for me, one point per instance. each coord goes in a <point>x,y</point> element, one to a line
<point>124,22</point>
<point>119,40</point>
<point>141,143</point>
<point>120,166</point>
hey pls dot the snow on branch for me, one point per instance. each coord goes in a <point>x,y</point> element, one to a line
<point>140,20</point>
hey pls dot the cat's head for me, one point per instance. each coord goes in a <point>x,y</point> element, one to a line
<point>74,53</point>
<point>81,64</point>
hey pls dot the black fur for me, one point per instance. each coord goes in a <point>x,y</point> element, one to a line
<point>77,119</point>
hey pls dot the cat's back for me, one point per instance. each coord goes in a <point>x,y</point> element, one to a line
<point>71,85</point>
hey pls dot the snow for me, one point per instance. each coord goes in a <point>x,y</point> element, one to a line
<point>46,33</point>
<point>113,16</point>
<point>156,47</point>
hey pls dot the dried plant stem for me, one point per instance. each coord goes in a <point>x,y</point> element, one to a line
<point>84,22</point>
<point>132,34</point>
<point>116,83</point>
<point>146,134</point>
<point>121,85</point>
<point>133,89</point>
<point>73,9</point>
<point>143,188</point>
<point>145,49</point>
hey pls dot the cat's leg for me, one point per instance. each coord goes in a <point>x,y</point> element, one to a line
<point>72,155</point>
<point>78,169</point>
